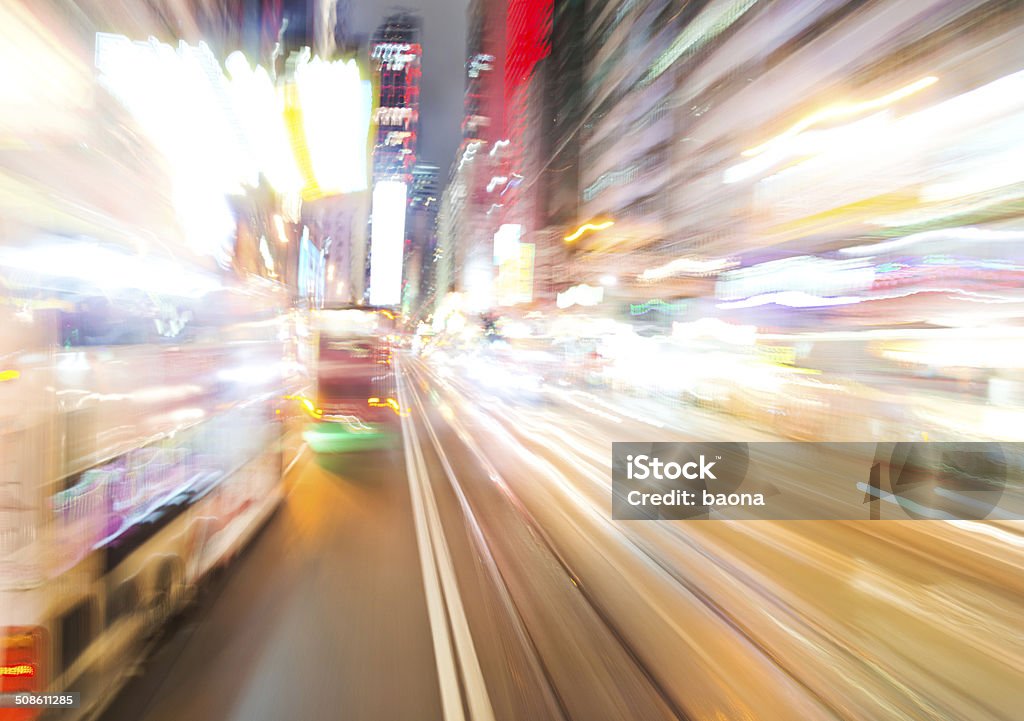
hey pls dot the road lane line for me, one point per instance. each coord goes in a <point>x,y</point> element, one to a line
<point>298,455</point>
<point>548,686</point>
<point>586,504</point>
<point>531,520</point>
<point>451,697</point>
<point>477,698</point>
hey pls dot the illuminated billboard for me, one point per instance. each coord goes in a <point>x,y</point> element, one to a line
<point>506,243</point>
<point>179,98</point>
<point>515,276</point>
<point>327,111</point>
<point>334,105</point>
<point>220,132</point>
<point>387,242</point>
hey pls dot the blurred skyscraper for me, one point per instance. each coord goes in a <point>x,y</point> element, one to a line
<point>502,142</point>
<point>395,54</point>
<point>424,201</point>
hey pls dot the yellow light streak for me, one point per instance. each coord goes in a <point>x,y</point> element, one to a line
<point>588,227</point>
<point>844,110</point>
<point>388,403</point>
<point>307,405</point>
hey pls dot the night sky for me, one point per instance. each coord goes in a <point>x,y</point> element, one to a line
<point>442,85</point>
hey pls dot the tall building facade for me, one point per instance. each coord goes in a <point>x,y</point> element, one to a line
<point>527,42</point>
<point>462,251</point>
<point>497,207</point>
<point>627,134</point>
<point>421,248</point>
<point>451,216</point>
<point>395,54</point>
<point>707,135</point>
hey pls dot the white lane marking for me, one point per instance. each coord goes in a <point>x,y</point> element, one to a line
<point>451,698</point>
<point>487,557</point>
<point>298,455</point>
<point>472,675</point>
<point>438,572</point>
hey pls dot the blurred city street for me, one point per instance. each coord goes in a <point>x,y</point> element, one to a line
<point>554,611</point>
<point>512,360</point>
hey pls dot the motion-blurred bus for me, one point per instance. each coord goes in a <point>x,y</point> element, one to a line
<point>356,398</point>
<point>136,454</point>
<point>140,383</point>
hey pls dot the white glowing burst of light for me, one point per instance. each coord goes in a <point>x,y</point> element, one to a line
<point>688,266</point>
<point>803,274</point>
<point>957,149</point>
<point>583,295</point>
<point>108,269</point>
<point>480,282</point>
<point>260,111</point>
<point>791,299</point>
<point>387,242</point>
<point>964,235</point>
<point>809,143</point>
<point>336,107</point>
<point>180,100</point>
<point>506,242</point>
<point>715,329</point>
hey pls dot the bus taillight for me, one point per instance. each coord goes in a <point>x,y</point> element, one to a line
<point>22,653</point>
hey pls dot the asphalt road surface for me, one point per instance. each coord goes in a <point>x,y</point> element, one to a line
<point>472,571</point>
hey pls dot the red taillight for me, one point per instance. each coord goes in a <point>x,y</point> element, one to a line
<point>22,655</point>
<point>16,671</point>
